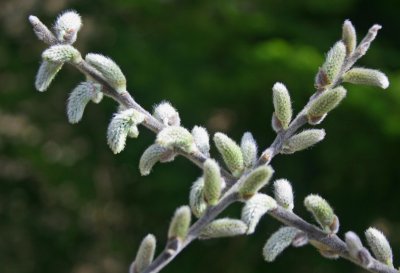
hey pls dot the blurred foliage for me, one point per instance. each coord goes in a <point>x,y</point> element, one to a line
<point>67,204</point>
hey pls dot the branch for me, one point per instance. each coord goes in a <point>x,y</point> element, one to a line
<point>332,242</point>
<point>175,246</point>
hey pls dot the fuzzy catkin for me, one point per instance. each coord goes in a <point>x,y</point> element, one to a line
<point>109,70</point>
<point>231,153</point>
<point>46,73</point>
<point>365,76</point>
<point>255,208</point>
<point>278,242</point>
<point>282,104</point>
<point>212,182</point>
<point>225,227</point>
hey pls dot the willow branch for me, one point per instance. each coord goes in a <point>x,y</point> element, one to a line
<point>174,246</point>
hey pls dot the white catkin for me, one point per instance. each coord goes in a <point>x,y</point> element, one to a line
<point>119,127</point>
<point>202,139</point>
<point>167,114</point>
<point>283,193</point>
<point>67,26</point>
<point>45,75</point>
<point>153,154</point>
<point>278,242</point>
<point>224,227</point>
<point>79,98</point>
<point>255,208</point>
<point>249,149</point>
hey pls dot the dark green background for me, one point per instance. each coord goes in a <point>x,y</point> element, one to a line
<point>67,204</point>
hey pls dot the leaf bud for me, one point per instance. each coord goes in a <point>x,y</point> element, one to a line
<point>357,250</point>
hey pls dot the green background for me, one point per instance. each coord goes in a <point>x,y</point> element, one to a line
<point>67,204</point>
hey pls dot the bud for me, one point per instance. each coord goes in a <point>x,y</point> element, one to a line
<point>196,198</point>
<point>202,139</point>
<point>366,42</point>
<point>379,246</point>
<point>356,249</point>
<point>167,114</point>
<point>275,123</point>
<point>151,156</point>
<point>119,127</point>
<point>329,254</point>
<point>349,37</point>
<point>301,239</point>
<point>322,212</point>
<point>67,26</point>
<point>303,140</point>
<point>282,104</point>
<point>176,137</point>
<point>334,61</point>
<point>231,153</point>
<point>98,96</point>
<point>180,223</point>
<point>45,75</point>
<point>326,102</point>
<point>366,76</point>
<point>225,227</point>
<point>255,208</point>
<point>248,145</point>
<point>61,54</point>
<point>284,194</point>
<point>41,31</point>
<point>79,98</point>
<point>145,254</point>
<point>212,182</point>
<point>254,181</point>
<point>133,131</point>
<point>278,242</point>
<point>109,69</point>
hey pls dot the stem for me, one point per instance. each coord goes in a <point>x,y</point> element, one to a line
<point>167,255</point>
<point>174,247</point>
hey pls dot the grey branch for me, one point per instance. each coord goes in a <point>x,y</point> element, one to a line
<point>174,247</point>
